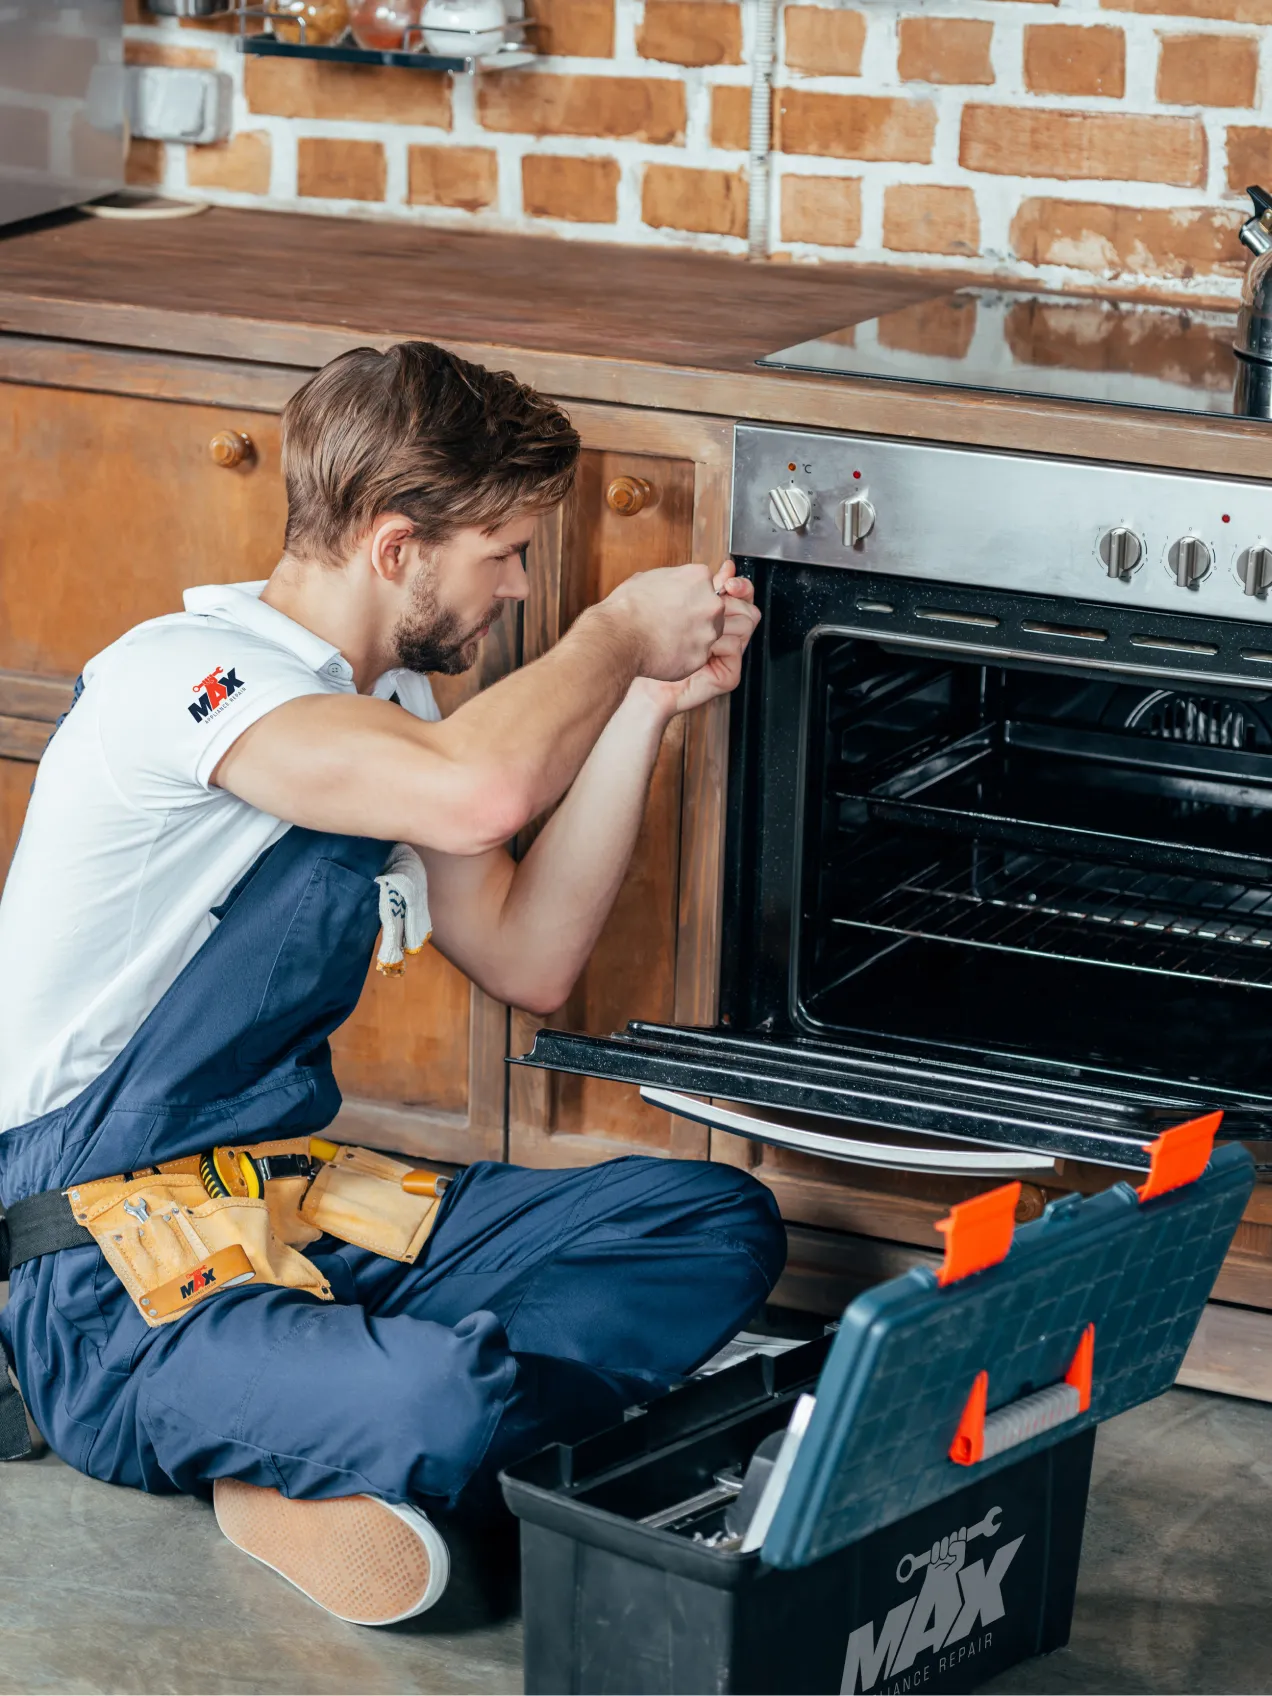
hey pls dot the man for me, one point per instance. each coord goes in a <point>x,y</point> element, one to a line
<point>191,911</point>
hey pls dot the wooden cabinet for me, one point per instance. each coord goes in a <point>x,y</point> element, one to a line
<point>16,778</point>
<point>112,506</point>
<point>633,508</point>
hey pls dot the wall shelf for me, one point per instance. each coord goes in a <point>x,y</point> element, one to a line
<point>511,53</point>
<point>504,58</point>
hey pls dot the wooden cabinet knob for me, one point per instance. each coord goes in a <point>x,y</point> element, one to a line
<point>230,448</point>
<point>1031,1204</point>
<point>627,495</point>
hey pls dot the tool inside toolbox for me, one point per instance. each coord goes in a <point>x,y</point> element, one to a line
<point>690,1487</point>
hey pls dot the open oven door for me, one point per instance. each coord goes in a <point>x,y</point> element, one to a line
<point>935,1115</point>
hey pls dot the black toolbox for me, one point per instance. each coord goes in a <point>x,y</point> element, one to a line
<point>922,1526</point>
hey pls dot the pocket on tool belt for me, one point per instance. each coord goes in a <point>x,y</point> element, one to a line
<point>357,1195</point>
<point>171,1246</point>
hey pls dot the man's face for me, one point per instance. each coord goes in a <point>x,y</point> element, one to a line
<point>458,592</point>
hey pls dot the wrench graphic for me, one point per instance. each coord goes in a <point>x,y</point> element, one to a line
<point>908,1565</point>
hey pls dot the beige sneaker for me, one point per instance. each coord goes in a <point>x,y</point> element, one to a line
<point>365,1560</point>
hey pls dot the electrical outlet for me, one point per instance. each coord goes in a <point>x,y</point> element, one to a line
<point>166,104</point>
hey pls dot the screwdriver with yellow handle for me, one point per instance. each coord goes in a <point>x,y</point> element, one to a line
<point>419,1182</point>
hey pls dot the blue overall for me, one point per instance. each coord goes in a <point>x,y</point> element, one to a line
<point>542,1304</point>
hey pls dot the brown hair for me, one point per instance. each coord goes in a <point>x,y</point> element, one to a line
<point>417,431</point>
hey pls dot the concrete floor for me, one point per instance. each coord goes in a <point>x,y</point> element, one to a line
<point>104,1590</point>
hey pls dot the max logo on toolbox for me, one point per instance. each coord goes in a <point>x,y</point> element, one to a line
<point>958,1597</point>
<point>214,691</point>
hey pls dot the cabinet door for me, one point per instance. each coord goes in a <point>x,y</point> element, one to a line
<point>16,778</point>
<point>628,512</point>
<point>112,505</point>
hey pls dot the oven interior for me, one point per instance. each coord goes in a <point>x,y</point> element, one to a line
<point>1026,860</point>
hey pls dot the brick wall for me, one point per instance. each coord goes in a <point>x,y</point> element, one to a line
<point>1075,143</point>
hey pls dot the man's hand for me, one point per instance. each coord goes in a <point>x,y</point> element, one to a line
<point>674,616</point>
<point>723,667</point>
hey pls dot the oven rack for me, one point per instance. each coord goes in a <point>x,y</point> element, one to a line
<point>1108,915</point>
<point>1199,811</point>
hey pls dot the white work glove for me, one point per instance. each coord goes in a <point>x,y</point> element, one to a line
<point>405,925</point>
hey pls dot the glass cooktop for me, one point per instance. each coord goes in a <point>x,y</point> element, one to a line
<point>1068,347</point>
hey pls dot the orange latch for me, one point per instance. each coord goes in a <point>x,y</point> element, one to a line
<point>1081,1368</point>
<point>969,1440</point>
<point>978,1232</point>
<point>1179,1155</point>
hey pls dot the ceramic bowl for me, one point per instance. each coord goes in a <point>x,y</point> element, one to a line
<point>444,20</point>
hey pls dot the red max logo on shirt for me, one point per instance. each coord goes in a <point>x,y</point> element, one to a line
<point>213,691</point>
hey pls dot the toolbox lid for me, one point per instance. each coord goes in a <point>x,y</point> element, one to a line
<point>919,1362</point>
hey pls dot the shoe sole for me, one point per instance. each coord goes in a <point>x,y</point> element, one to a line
<point>355,1556</point>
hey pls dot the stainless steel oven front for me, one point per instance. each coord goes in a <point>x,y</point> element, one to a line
<point>999,844</point>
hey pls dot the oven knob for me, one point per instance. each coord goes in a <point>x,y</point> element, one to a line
<point>858,519</point>
<point>1189,560</point>
<point>1120,550</point>
<point>1255,569</point>
<point>790,507</point>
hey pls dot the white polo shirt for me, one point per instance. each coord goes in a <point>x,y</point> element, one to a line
<point>126,846</point>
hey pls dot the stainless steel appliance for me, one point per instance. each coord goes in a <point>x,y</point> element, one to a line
<point>999,842</point>
<point>1071,347</point>
<point>61,104</point>
<point>1066,347</point>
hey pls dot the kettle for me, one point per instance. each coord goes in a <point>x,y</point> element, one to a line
<point>1253,346</point>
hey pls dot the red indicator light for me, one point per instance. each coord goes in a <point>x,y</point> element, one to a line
<point>1227,518</point>
<point>857,474</point>
<point>791,466</point>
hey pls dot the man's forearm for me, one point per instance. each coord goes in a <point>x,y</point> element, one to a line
<point>561,893</point>
<point>540,722</point>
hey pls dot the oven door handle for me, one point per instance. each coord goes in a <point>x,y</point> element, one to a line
<point>893,1157</point>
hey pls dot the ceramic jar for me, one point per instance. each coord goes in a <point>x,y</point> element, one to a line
<point>381,25</point>
<point>325,20</point>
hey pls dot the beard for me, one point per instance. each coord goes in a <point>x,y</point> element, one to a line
<point>431,638</point>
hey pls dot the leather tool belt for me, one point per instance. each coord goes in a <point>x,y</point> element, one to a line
<point>178,1233</point>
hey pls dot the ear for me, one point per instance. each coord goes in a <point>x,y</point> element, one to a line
<point>392,547</point>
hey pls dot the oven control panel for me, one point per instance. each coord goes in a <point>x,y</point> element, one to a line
<point>1174,541</point>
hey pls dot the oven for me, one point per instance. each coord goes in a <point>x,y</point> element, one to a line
<point>998,883</point>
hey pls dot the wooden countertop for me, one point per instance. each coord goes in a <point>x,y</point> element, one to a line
<point>678,331</point>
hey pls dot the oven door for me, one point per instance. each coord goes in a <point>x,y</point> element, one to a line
<point>935,1115</point>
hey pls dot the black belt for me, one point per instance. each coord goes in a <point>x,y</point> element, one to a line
<point>44,1224</point>
<point>41,1224</point>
